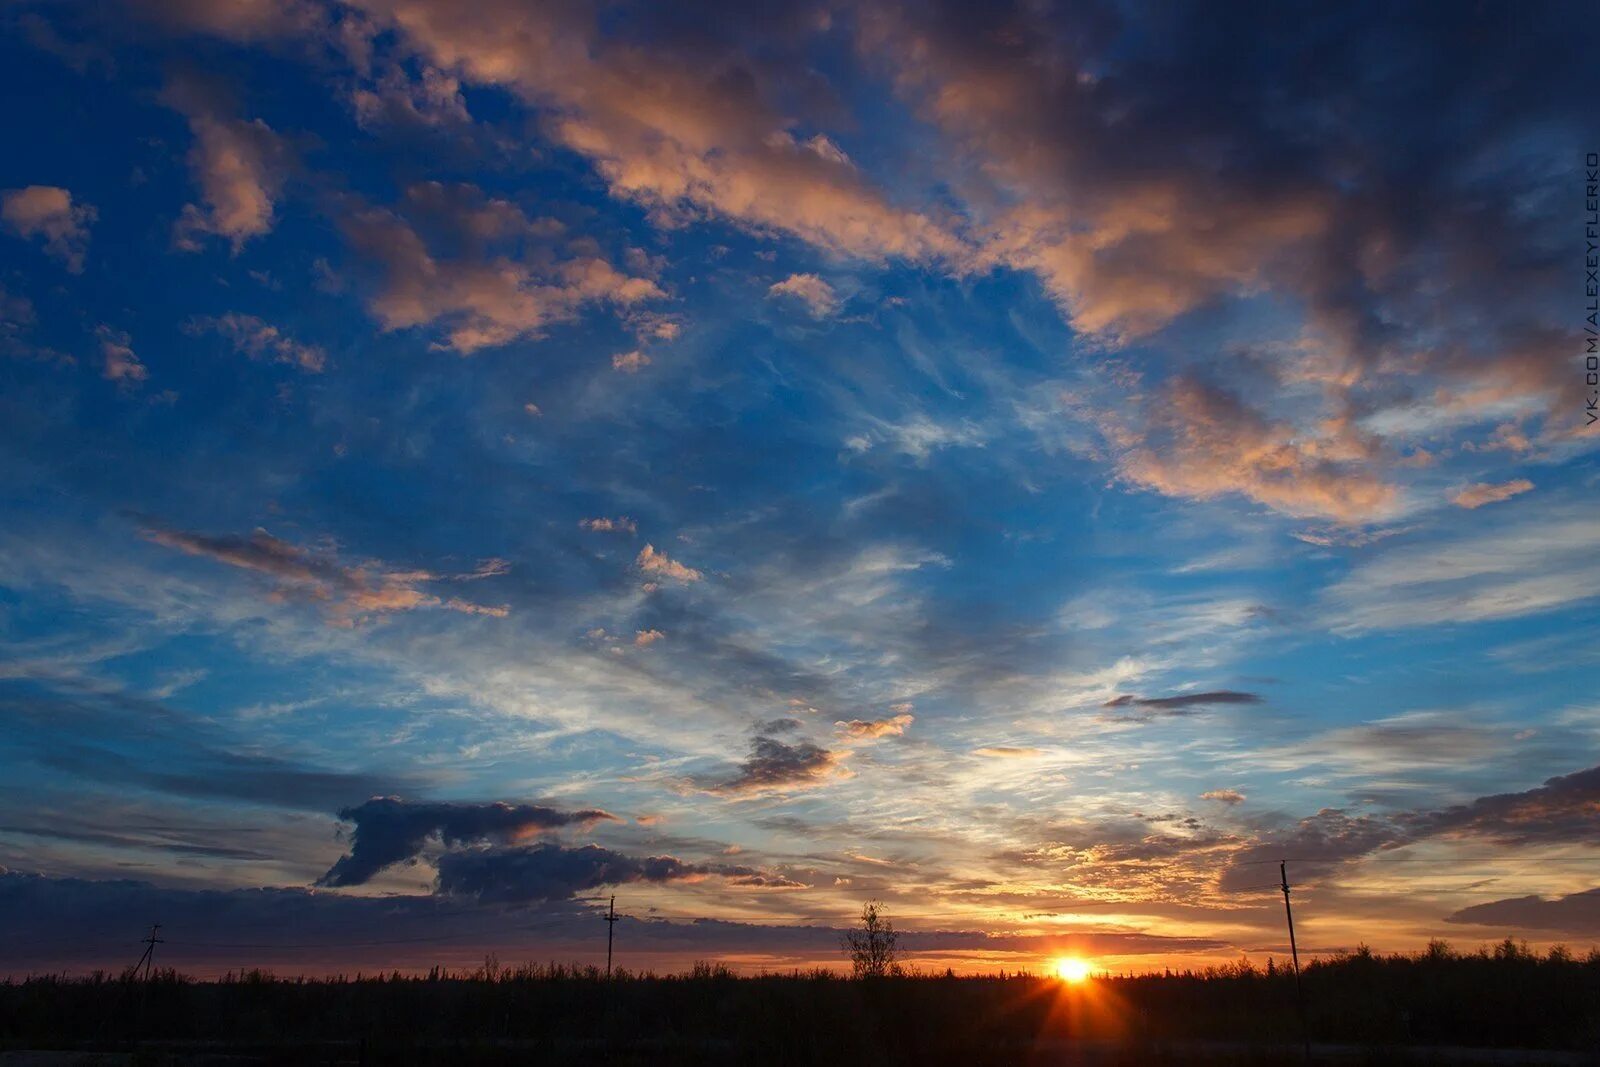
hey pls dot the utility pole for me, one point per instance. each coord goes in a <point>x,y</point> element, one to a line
<point>149,957</point>
<point>611,933</point>
<point>1294,955</point>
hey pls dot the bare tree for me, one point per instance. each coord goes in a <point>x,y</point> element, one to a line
<point>872,946</point>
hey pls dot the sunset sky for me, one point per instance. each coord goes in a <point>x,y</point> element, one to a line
<point>1036,466</point>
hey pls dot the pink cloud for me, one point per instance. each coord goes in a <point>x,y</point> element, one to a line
<point>1476,496</point>
<point>657,565</point>
<point>47,212</point>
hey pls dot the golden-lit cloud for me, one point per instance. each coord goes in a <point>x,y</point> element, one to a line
<point>605,524</point>
<point>491,292</point>
<point>811,291</point>
<point>350,593</point>
<point>1476,496</point>
<point>1008,752</point>
<point>659,565</point>
<point>630,362</point>
<point>874,729</point>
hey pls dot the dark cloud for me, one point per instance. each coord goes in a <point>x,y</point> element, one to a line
<point>776,766</point>
<point>1577,914</point>
<point>553,872</point>
<point>115,738</point>
<point>1183,701</point>
<point>1564,809</point>
<point>389,830</point>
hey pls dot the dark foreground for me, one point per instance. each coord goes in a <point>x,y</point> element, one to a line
<point>1502,1007</point>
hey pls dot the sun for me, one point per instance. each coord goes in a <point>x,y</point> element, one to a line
<point>1072,969</point>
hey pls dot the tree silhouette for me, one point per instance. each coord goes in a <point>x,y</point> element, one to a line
<point>872,947</point>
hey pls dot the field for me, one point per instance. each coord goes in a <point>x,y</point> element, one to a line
<point>1434,1007</point>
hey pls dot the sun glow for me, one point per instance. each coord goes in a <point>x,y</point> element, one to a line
<point>1072,969</point>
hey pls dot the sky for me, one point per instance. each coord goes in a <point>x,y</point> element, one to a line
<point>1037,466</point>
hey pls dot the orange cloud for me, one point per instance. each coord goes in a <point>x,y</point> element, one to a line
<point>484,294</point>
<point>239,164</point>
<point>620,524</point>
<point>630,362</point>
<point>872,730</point>
<point>658,565</point>
<point>1204,441</point>
<point>817,295</point>
<point>1476,496</point>
<point>351,593</point>
<point>121,365</point>
<point>47,212</point>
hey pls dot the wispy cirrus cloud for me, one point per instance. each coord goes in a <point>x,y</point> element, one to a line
<point>350,592</point>
<point>1476,496</point>
<point>259,340</point>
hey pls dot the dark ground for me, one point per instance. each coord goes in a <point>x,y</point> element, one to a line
<point>1505,1006</point>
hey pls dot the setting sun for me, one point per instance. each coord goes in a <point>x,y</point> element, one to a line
<point>1072,969</point>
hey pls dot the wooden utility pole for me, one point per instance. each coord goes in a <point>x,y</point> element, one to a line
<point>149,957</point>
<point>1294,956</point>
<point>611,931</point>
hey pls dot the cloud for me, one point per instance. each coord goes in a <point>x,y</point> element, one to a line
<point>871,730</point>
<point>47,212</point>
<point>389,830</point>
<point>1519,562</point>
<point>682,125</point>
<point>240,165</point>
<point>1181,702</point>
<point>1481,493</point>
<point>1008,752</point>
<point>504,280</point>
<point>1564,809</point>
<point>1223,796</point>
<point>350,592</point>
<point>776,766</point>
<point>1576,914</point>
<point>646,638</point>
<point>1070,144</point>
<point>1201,440</point>
<point>657,565</point>
<point>817,295</point>
<point>620,524</point>
<point>548,872</point>
<point>259,340</point>
<point>105,738</point>
<point>630,362</point>
<point>120,364</point>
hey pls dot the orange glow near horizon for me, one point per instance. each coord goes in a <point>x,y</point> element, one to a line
<point>1072,969</point>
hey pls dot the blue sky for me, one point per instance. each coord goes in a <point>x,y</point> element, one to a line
<point>1030,467</point>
